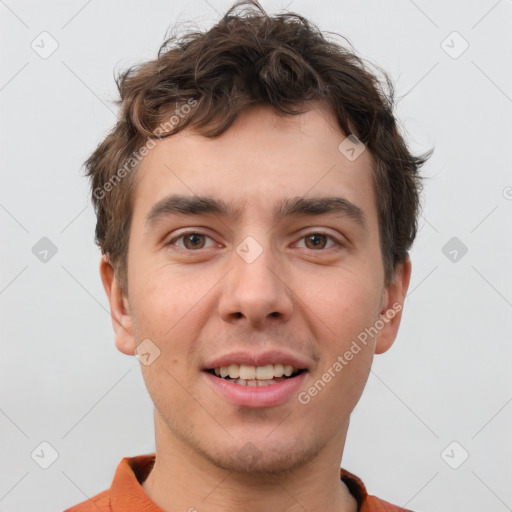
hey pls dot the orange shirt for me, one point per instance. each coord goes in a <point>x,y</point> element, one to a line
<point>126,493</point>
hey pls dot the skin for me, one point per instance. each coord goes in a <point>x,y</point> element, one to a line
<point>195,304</point>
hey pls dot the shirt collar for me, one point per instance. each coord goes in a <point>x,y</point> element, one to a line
<point>127,494</point>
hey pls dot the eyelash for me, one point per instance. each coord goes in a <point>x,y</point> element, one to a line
<point>330,237</point>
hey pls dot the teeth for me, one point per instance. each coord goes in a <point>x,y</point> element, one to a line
<point>288,370</point>
<point>233,371</point>
<point>243,371</point>
<point>278,370</point>
<point>264,372</point>
<point>255,383</point>
<point>247,373</point>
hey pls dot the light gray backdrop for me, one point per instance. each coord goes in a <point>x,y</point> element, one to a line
<point>441,394</point>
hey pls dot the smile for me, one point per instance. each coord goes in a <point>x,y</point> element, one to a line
<point>247,375</point>
<point>255,392</point>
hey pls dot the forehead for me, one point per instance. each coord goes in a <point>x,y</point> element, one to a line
<point>261,160</point>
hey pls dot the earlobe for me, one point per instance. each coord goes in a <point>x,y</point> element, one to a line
<point>392,305</point>
<point>119,309</point>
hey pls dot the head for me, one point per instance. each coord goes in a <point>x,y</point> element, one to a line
<point>235,138</point>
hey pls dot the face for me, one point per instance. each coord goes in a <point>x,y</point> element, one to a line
<point>277,268</point>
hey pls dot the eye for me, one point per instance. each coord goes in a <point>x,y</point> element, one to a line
<point>318,240</point>
<point>191,240</point>
<point>194,240</point>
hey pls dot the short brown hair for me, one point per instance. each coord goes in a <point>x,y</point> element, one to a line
<point>251,58</point>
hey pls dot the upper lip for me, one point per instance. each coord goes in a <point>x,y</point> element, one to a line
<point>261,359</point>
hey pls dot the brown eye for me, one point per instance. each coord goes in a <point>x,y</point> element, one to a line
<point>193,241</point>
<point>316,241</point>
<point>190,241</point>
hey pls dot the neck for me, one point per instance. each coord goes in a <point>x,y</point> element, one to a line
<point>183,479</point>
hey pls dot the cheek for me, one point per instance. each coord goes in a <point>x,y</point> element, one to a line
<point>343,306</point>
<point>169,388</point>
<point>164,302</point>
<point>170,310</point>
<point>350,307</point>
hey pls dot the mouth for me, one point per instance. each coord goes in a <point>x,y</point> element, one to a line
<point>255,380</point>
<point>256,376</point>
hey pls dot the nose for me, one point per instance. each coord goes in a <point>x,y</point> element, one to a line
<point>255,290</point>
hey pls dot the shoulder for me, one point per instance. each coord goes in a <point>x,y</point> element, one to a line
<point>98,503</point>
<point>366,502</point>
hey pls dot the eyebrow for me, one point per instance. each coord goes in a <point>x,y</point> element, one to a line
<point>176,204</point>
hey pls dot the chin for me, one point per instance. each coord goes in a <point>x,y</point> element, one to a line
<point>263,458</point>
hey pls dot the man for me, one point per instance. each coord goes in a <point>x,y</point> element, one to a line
<point>255,207</point>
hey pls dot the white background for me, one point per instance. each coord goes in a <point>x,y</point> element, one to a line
<point>447,378</point>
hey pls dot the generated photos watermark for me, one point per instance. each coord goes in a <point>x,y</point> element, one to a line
<point>137,156</point>
<point>305,397</point>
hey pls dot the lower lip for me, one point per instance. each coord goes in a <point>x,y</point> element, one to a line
<point>256,396</point>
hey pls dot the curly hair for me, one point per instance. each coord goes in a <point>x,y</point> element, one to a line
<point>204,80</point>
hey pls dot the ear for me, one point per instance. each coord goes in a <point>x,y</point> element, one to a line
<point>392,305</point>
<point>119,309</point>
